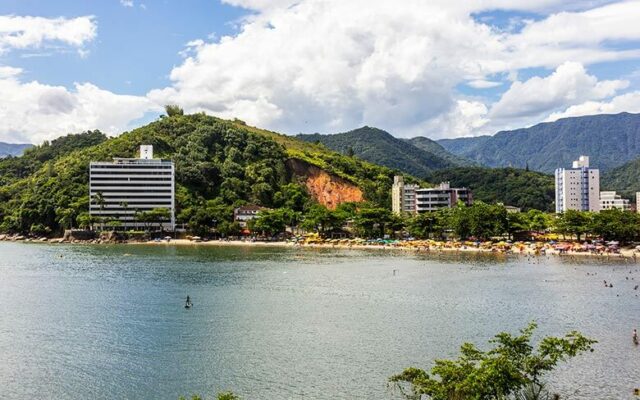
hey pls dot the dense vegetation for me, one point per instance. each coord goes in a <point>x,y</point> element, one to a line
<point>510,186</point>
<point>380,147</point>
<point>33,158</point>
<point>433,147</point>
<point>12,149</point>
<point>219,164</point>
<point>624,179</point>
<point>610,141</point>
<point>512,368</point>
<point>480,221</point>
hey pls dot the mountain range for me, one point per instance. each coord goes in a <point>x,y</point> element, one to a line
<point>13,149</point>
<point>610,140</point>
<point>418,156</point>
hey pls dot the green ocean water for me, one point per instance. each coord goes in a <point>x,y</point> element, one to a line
<point>108,322</point>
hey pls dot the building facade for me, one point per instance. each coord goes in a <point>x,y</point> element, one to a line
<point>609,200</point>
<point>403,196</point>
<point>134,192</point>
<point>578,188</point>
<point>442,196</point>
<point>413,199</point>
<point>242,215</point>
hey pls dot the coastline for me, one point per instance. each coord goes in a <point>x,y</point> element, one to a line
<point>447,247</point>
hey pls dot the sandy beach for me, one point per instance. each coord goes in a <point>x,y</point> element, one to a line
<point>403,246</point>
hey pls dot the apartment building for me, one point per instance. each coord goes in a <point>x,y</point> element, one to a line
<point>127,190</point>
<point>578,188</point>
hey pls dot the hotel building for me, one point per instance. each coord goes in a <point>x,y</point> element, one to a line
<point>413,199</point>
<point>124,189</point>
<point>578,188</point>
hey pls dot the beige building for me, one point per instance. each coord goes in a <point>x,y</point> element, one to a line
<point>403,197</point>
<point>609,200</point>
<point>414,199</point>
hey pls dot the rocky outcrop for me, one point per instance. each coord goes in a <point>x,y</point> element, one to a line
<point>78,234</point>
<point>326,188</point>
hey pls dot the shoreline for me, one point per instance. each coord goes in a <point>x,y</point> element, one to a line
<point>526,251</point>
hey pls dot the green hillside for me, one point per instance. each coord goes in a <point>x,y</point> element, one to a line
<point>380,147</point>
<point>624,179</point>
<point>218,164</point>
<point>433,147</point>
<point>609,140</point>
<point>513,187</point>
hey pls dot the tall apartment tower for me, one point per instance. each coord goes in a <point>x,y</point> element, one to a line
<point>125,188</point>
<point>578,188</point>
<point>403,197</point>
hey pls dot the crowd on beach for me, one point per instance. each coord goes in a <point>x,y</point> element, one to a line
<point>530,248</point>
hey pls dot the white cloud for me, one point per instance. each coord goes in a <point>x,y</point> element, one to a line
<point>330,65</point>
<point>629,102</point>
<point>22,32</point>
<point>34,112</point>
<point>569,84</point>
<point>483,84</point>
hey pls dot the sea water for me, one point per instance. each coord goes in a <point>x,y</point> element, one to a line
<point>108,322</point>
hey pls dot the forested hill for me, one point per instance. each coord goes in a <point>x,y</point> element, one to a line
<point>624,179</point>
<point>12,149</point>
<point>609,140</point>
<point>219,164</point>
<point>435,148</point>
<point>380,147</point>
<point>511,186</point>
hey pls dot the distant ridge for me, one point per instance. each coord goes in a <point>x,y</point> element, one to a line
<point>609,139</point>
<point>13,149</point>
<point>418,156</point>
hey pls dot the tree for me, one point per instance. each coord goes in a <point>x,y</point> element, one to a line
<point>511,366</point>
<point>427,225</point>
<point>316,218</point>
<point>269,222</point>
<point>172,110</point>
<point>616,224</point>
<point>85,220</point>
<point>573,222</point>
<point>66,217</point>
<point>372,221</point>
<point>98,198</point>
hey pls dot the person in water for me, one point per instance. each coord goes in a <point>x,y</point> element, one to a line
<point>188,303</point>
<point>634,336</point>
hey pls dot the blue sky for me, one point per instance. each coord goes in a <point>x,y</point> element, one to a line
<point>436,69</point>
<point>136,47</point>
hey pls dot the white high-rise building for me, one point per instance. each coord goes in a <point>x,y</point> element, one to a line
<point>578,188</point>
<point>609,200</point>
<point>124,189</point>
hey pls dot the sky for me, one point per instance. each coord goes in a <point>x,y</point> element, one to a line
<point>437,68</point>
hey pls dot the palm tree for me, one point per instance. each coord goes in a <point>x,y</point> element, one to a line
<point>66,217</point>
